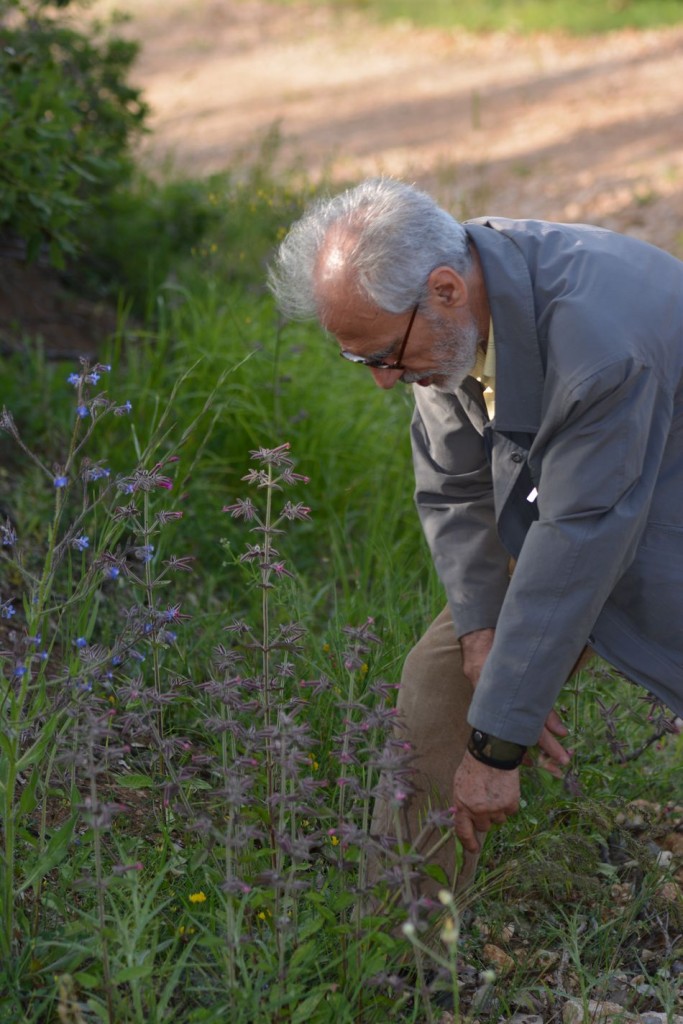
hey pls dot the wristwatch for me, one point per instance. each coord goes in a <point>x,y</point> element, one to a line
<point>494,752</point>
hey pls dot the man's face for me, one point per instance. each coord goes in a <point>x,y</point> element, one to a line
<point>439,352</point>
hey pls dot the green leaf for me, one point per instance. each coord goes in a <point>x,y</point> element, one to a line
<point>35,752</point>
<point>310,927</point>
<point>133,973</point>
<point>55,852</point>
<point>87,980</point>
<point>134,781</point>
<point>28,799</point>
<point>310,1003</point>
<point>306,951</point>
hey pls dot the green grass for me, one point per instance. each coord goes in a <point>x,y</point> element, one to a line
<point>575,16</point>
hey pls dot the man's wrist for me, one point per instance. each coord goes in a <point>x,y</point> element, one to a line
<point>494,752</point>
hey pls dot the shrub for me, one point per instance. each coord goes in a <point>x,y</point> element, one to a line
<point>67,118</point>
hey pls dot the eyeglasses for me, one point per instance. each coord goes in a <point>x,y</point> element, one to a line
<point>379,364</point>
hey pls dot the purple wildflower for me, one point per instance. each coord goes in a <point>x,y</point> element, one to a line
<point>7,610</point>
<point>242,509</point>
<point>97,473</point>
<point>80,543</point>
<point>60,481</point>
<point>82,411</point>
<point>144,553</point>
<point>8,534</point>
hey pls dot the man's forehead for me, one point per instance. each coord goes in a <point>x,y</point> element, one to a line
<point>346,314</point>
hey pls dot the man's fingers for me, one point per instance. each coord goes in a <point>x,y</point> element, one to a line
<point>548,765</point>
<point>553,748</point>
<point>466,832</point>
<point>555,724</point>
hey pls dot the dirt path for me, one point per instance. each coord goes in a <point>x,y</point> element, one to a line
<point>567,129</point>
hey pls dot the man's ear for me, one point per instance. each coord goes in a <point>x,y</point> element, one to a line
<point>447,288</point>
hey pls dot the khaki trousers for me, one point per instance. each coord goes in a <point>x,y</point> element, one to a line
<point>433,701</point>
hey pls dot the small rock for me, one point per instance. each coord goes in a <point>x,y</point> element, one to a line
<point>598,1013</point>
<point>673,843</point>
<point>670,892</point>
<point>664,858</point>
<point>622,893</point>
<point>498,957</point>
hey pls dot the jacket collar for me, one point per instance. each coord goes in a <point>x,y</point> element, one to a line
<point>519,370</point>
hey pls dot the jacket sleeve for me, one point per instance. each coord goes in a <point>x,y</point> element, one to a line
<point>598,458</point>
<point>454,497</point>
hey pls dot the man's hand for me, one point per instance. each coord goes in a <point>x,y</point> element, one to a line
<point>553,756</point>
<point>482,797</point>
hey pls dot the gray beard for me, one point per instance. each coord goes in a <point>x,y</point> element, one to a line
<point>455,349</point>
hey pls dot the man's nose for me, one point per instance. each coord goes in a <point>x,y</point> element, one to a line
<point>385,378</point>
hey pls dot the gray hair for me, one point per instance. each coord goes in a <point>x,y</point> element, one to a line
<point>395,236</point>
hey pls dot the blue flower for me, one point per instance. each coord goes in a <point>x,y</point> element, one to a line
<point>19,671</point>
<point>112,573</point>
<point>92,378</point>
<point>60,481</point>
<point>73,378</point>
<point>121,410</point>
<point>104,367</point>
<point>82,411</point>
<point>80,543</point>
<point>7,611</point>
<point>80,642</point>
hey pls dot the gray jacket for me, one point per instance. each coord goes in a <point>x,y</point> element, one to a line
<point>589,411</point>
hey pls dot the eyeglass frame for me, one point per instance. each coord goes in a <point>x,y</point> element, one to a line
<point>374,363</point>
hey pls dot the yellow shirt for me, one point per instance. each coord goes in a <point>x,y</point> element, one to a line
<point>485,371</point>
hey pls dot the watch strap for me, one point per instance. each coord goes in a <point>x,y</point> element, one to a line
<point>494,752</point>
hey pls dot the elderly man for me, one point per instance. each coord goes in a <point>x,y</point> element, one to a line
<point>576,334</point>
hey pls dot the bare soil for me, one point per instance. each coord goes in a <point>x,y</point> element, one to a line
<point>553,127</point>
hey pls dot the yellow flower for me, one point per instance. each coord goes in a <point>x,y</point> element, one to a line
<point>326,648</point>
<point>198,897</point>
<point>364,669</point>
<point>334,840</point>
